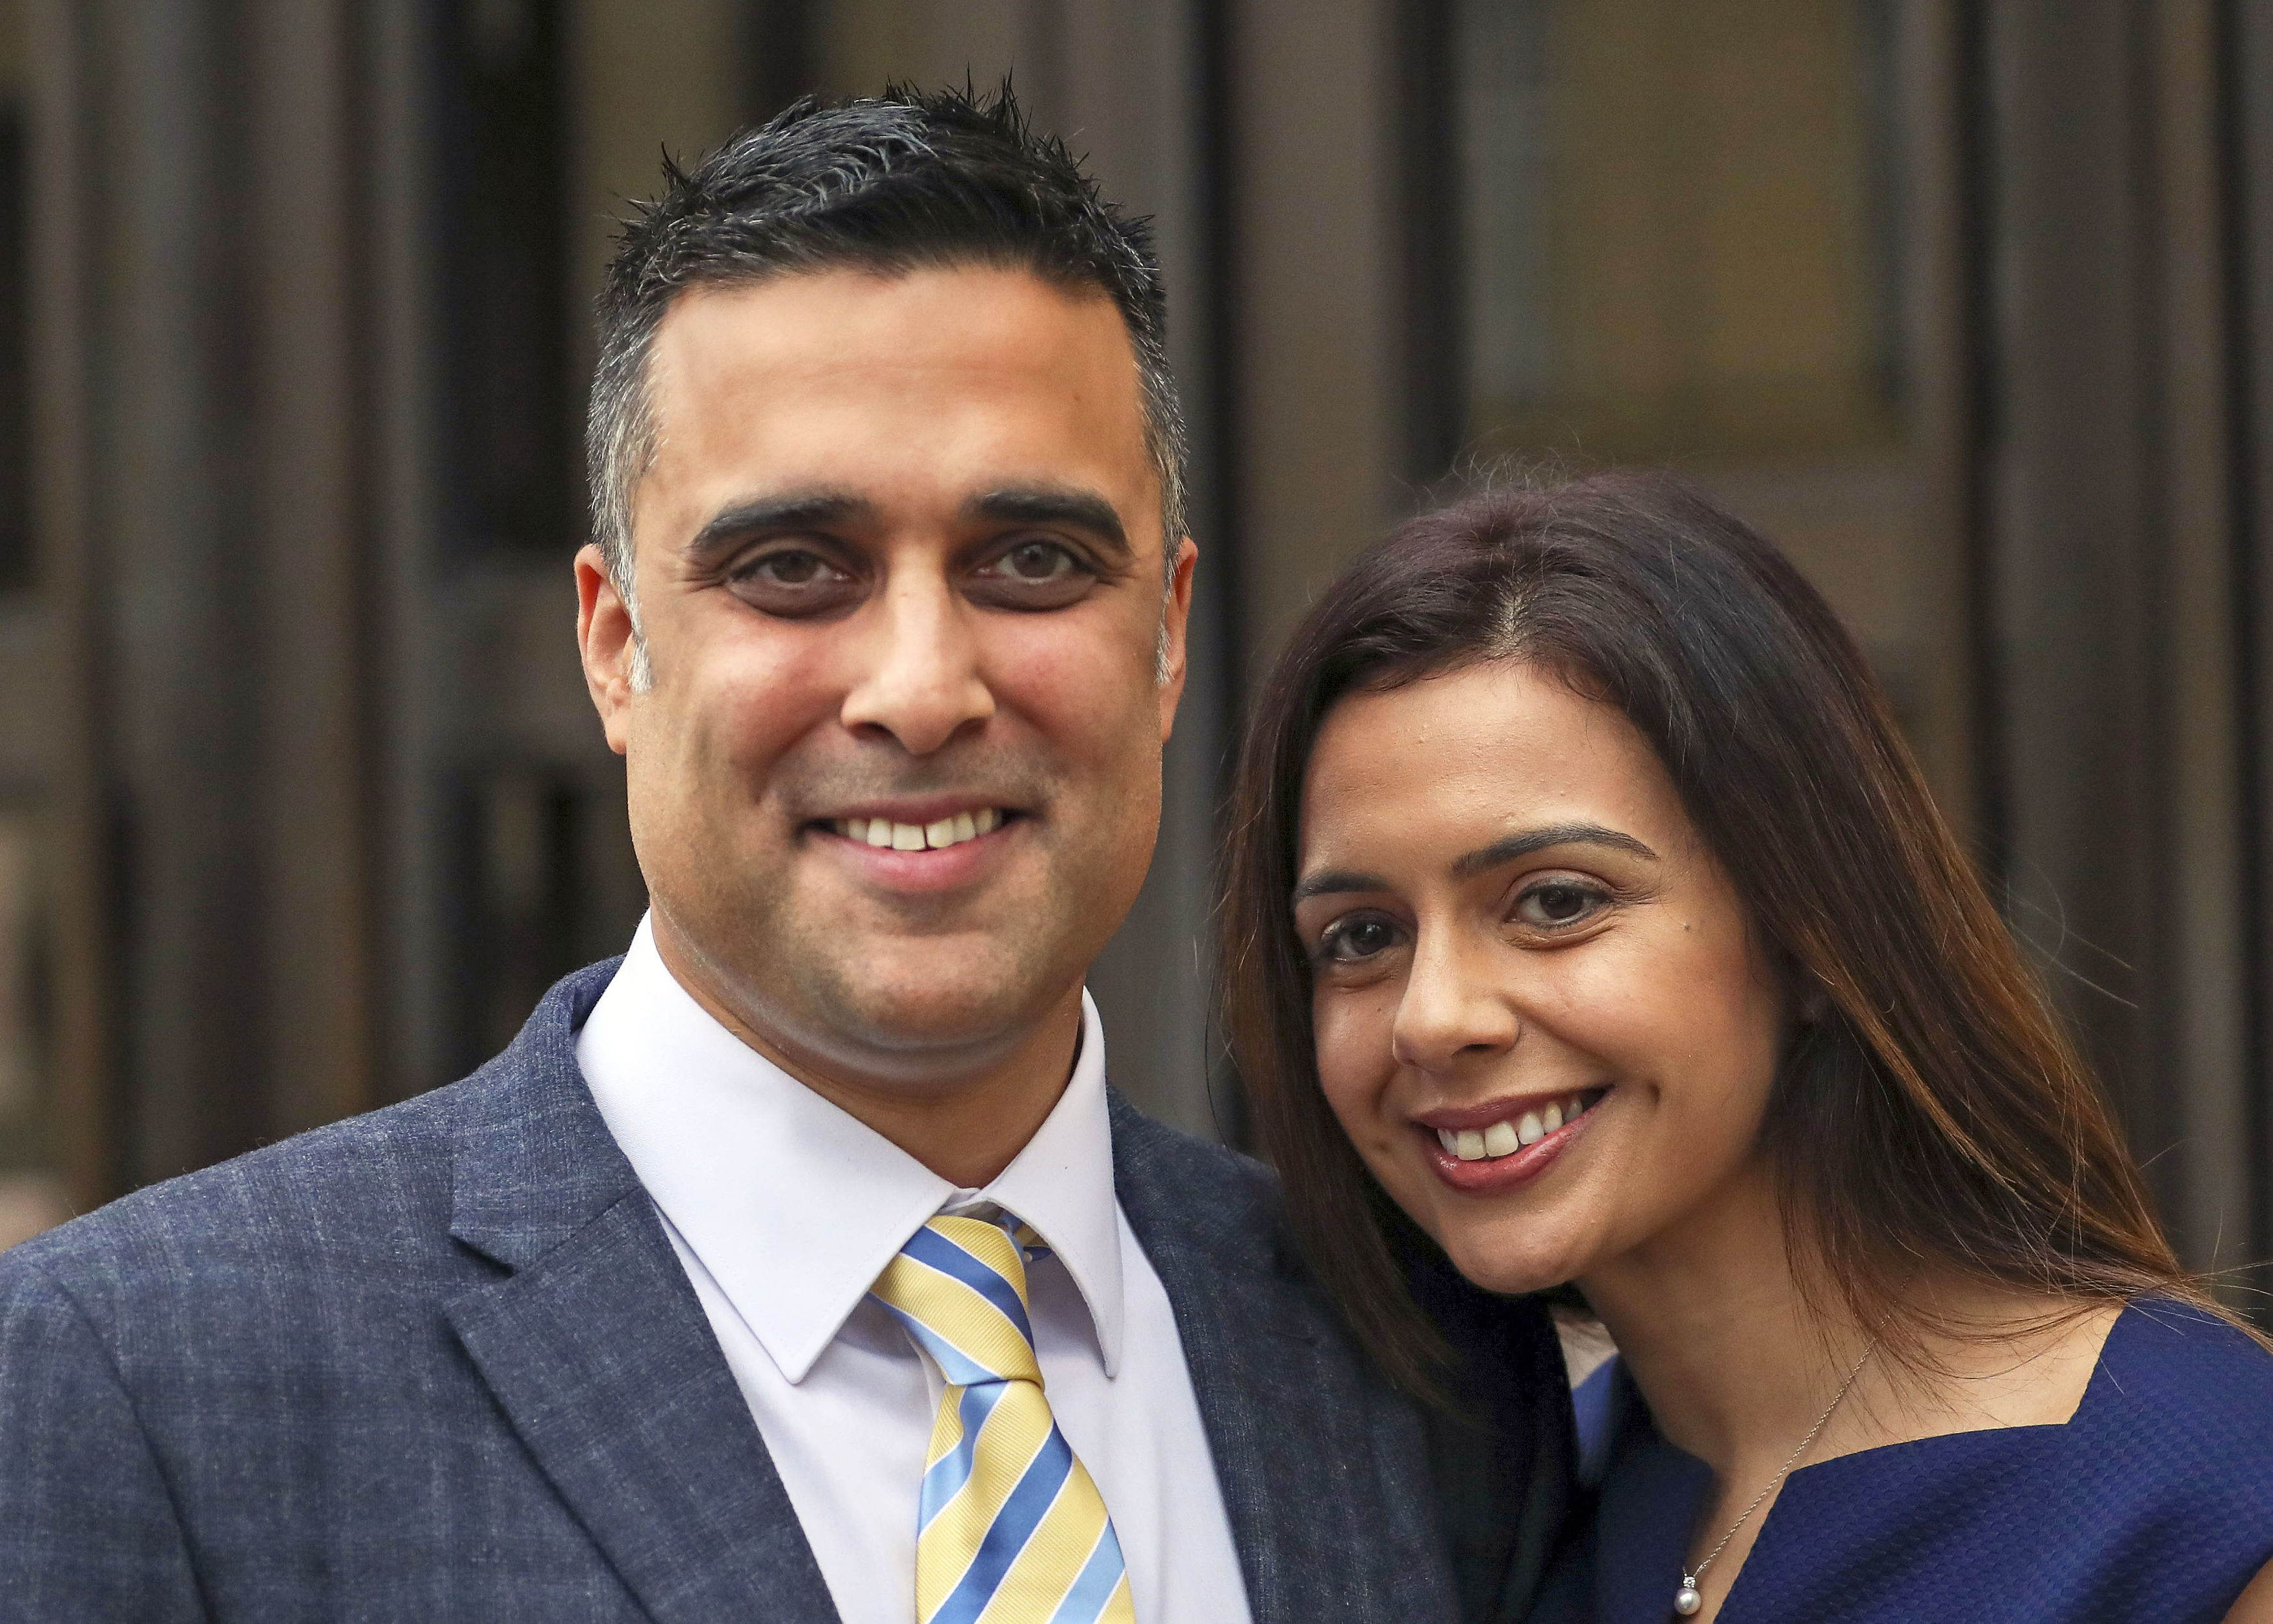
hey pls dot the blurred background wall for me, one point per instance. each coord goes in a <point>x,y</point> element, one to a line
<point>1970,303</point>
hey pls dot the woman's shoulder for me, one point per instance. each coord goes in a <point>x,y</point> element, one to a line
<point>2178,1418</point>
<point>2153,1502</point>
<point>2169,1362</point>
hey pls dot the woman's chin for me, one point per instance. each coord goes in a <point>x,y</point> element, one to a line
<point>1510,1272</point>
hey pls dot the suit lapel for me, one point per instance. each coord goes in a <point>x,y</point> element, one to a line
<point>1505,1455</point>
<point>598,1350</point>
<point>1300,1458</point>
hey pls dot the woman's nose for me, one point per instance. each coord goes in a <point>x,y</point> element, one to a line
<point>1456,1005</point>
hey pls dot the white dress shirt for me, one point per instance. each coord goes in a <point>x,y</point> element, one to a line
<point>783,1210</point>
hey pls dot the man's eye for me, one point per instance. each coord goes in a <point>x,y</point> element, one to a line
<point>788,569</point>
<point>1033,574</point>
<point>1557,904</point>
<point>1352,941</point>
<point>795,583</point>
<point>1038,561</point>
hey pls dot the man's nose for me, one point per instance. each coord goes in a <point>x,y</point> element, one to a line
<point>1456,1008</point>
<point>919,681</point>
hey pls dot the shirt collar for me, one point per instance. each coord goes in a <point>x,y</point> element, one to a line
<point>794,1206</point>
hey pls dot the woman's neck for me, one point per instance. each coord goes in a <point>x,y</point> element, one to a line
<point>1711,1321</point>
<point>1737,1360</point>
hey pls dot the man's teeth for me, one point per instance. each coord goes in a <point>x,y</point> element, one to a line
<point>1505,1138</point>
<point>921,836</point>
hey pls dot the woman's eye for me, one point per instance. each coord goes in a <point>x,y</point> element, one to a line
<point>1355,940</point>
<point>1557,905</point>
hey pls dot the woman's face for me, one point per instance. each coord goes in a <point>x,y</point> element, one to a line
<point>1539,1014</point>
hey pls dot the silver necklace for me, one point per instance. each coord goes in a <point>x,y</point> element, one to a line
<point>1688,1598</point>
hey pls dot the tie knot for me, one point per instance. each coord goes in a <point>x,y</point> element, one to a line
<point>959,1285</point>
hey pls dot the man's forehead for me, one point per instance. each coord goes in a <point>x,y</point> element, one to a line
<point>942,386</point>
<point>796,316</point>
<point>857,343</point>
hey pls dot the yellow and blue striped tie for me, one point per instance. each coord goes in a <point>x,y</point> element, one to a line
<point>1009,1527</point>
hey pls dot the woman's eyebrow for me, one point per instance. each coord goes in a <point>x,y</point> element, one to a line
<point>1335,881</point>
<point>1339,882</point>
<point>1514,846</point>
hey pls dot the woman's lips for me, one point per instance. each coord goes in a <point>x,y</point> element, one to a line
<point>1493,1173</point>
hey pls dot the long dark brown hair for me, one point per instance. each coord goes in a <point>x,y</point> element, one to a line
<point>1935,1114</point>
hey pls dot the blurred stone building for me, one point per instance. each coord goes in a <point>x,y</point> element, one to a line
<point>1970,303</point>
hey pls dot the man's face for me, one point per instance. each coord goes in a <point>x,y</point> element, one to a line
<point>898,567</point>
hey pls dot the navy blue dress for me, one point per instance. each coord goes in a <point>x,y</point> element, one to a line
<point>2153,1505</point>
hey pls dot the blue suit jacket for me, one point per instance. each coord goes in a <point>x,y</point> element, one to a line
<point>440,1363</point>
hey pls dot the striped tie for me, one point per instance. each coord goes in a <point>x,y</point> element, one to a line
<point>1009,1529</point>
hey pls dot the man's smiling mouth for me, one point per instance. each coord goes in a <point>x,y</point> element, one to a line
<point>949,831</point>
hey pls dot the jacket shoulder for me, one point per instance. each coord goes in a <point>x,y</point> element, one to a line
<point>365,1185</point>
<point>1216,1167</point>
<point>365,1192</point>
<point>1171,1181</point>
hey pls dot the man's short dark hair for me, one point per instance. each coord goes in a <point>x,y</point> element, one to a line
<point>913,180</point>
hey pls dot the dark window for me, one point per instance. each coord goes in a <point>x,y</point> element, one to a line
<point>511,445</point>
<point>15,562</point>
<point>1678,228</point>
<point>1674,237</point>
<point>520,833</point>
<point>549,882</point>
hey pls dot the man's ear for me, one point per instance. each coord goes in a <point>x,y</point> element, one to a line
<point>1175,615</point>
<point>605,640</point>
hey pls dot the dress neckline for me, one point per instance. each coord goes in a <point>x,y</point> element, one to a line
<point>1873,1506</point>
<point>1670,1464</point>
<point>2123,1323</point>
<point>2077,1418</point>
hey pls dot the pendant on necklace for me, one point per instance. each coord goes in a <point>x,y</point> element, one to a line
<point>1688,1599</point>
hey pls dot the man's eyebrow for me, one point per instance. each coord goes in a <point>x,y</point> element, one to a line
<point>1522,845</point>
<point>1065,504</point>
<point>793,510</point>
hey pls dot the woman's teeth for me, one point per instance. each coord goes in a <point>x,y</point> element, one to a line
<point>921,836</point>
<point>1505,1138</point>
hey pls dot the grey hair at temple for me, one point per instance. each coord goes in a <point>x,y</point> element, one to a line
<point>911,181</point>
